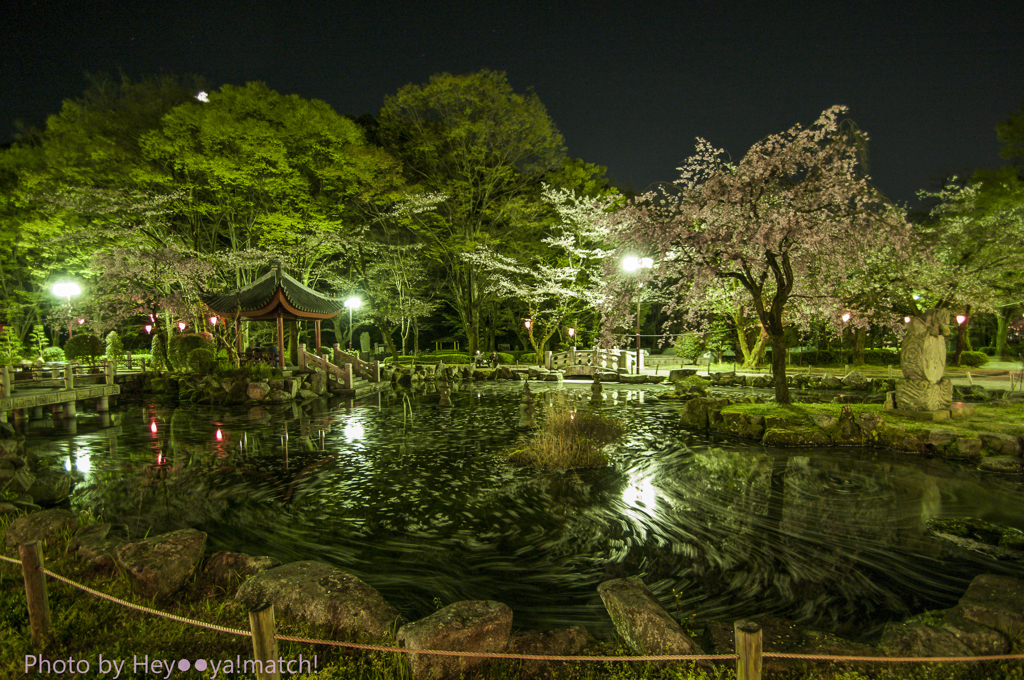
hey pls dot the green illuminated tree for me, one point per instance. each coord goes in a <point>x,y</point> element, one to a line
<point>487,148</point>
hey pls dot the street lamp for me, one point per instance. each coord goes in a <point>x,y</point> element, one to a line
<point>630,264</point>
<point>351,303</point>
<point>572,336</point>
<point>66,289</point>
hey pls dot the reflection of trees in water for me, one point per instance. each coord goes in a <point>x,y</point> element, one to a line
<point>816,538</point>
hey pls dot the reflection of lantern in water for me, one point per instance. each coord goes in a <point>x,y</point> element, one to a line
<point>160,459</point>
<point>220,436</point>
<point>152,427</point>
<point>353,430</point>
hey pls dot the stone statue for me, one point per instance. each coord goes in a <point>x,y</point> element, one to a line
<point>923,361</point>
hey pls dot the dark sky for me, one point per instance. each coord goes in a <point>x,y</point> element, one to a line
<point>630,85</point>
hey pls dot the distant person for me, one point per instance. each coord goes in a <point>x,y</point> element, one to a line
<point>494,360</point>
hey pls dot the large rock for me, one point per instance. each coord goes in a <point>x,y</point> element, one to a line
<point>160,566</point>
<point>257,390</point>
<point>641,621</point>
<point>679,374</point>
<point>996,602</point>
<point>318,382</point>
<point>97,544</point>
<point>469,626</point>
<point>45,525</point>
<point>226,569</point>
<point>633,378</point>
<point>942,633</point>
<point>921,395</point>
<point>320,594</point>
<point>50,487</point>
<point>557,642</point>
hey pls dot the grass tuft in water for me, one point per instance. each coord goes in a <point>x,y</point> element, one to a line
<point>570,439</point>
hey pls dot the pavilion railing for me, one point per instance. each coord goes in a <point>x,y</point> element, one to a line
<point>365,369</point>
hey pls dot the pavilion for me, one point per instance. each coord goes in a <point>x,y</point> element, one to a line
<point>274,296</point>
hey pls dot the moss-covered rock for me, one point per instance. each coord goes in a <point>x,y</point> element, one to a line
<point>795,436</point>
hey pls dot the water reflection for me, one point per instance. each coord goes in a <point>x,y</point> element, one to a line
<point>419,500</point>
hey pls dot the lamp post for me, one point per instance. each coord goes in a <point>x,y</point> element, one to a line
<point>572,336</point>
<point>630,264</point>
<point>846,319</point>
<point>66,289</point>
<point>351,303</point>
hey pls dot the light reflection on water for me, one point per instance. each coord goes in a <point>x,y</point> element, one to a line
<point>419,501</point>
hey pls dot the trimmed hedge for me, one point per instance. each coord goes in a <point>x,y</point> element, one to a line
<point>201,360</point>
<point>969,359</point>
<point>183,345</point>
<point>84,346</point>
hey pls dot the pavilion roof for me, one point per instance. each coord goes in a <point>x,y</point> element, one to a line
<point>274,293</point>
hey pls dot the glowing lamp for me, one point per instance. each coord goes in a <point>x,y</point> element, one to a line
<point>148,327</point>
<point>353,303</point>
<point>213,321</point>
<point>152,427</point>
<point>527,323</point>
<point>182,325</point>
<point>572,332</point>
<point>80,321</point>
<point>846,317</point>
<point>66,289</point>
<point>906,319</point>
<point>960,318</point>
<point>220,436</point>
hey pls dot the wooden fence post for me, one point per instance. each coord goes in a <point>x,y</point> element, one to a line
<point>35,591</point>
<point>264,644</point>
<point>748,646</point>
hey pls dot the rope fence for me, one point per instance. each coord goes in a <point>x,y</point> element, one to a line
<point>749,657</point>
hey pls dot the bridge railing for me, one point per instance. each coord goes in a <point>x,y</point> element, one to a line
<point>342,373</point>
<point>366,369</point>
<point>618,360</point>
<point>12,378</point>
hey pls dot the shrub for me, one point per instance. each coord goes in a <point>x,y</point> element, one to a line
<point>53,354</point>
<point>157,352</point>
<point>969,359</point>
<point>10,346</point>
<point>570,440</point>
<point>84,346</point>
<point>182,345</point>
<point>506,358</point>
<point>688,347</point>
<point>528,358</point>
<point>115,349</point>
<point>201,360</point>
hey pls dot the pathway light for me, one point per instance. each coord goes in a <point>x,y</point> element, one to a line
<point>352,303</point>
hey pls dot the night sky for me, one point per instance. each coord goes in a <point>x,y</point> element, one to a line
<point>630,85</point>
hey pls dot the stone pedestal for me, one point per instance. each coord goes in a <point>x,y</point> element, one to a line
<point>924,395</point>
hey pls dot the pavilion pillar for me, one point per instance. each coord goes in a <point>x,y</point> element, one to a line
<point>316,324</point>
<point>280,341</point>
<point>293,341</point>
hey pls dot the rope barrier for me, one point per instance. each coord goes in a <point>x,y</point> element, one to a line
<point>523,657</point>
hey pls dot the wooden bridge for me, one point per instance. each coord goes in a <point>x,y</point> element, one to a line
<point>348,370</point>
<point>30,390</point>
<point>591,361</point>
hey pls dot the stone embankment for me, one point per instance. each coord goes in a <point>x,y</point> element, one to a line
<point>406,376</point>
<point>988,619</point>
<point>810,425</point>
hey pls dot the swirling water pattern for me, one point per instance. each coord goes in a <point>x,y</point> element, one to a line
<point>420,502</point>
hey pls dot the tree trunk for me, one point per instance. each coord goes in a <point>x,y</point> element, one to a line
<point>1003,315</point>
<point>779,369</point>
<point>860,336</point>
<point>415,337</point>
<point>962,343</point>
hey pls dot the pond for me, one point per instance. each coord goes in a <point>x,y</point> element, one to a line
<point>420,502</point>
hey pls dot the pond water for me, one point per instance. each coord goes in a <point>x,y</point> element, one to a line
<point>420,502</point>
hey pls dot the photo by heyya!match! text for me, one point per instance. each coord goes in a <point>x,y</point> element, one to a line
<point>127,667</point>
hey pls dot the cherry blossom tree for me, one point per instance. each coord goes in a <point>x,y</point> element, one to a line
<point>787,222</point>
